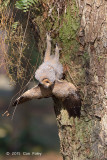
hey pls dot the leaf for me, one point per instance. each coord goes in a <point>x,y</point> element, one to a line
<point>25,4</point>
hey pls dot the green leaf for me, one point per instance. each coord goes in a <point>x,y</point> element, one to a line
<point>25,4</point>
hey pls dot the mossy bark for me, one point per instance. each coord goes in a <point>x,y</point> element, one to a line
<point>93,35</point>
<point>84,137</point>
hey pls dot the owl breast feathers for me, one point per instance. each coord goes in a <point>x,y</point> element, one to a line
<point>51,70</point>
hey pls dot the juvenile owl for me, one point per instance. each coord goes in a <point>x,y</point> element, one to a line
<point>51,69</point>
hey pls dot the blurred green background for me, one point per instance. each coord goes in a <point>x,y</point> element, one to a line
<point>33,128</point>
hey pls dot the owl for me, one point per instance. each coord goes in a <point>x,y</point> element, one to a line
<point>49,74</point>
<point>61,90</point>
<point>51,69</point>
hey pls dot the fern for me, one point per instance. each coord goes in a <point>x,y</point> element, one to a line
<point>25,4</point>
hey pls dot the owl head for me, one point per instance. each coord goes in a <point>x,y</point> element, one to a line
<point>46,83</point>
<point>45,74</point>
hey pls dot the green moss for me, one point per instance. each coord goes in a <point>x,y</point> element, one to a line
<point>83,134</point>
<point>68,31</point>
<point>65,27</point>
<point>82,128</point>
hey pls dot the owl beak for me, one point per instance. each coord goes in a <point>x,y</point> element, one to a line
<point>46,83</point>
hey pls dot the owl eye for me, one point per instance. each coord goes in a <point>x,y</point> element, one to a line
<point>47,81</point>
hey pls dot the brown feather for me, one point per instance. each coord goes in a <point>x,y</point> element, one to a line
<point>36,92</point>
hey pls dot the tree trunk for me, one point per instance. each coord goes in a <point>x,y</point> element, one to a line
<point>81,137</point>
<point>86,137</point>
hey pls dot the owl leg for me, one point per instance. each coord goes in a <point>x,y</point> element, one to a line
<point>48,49</point>
<point>57,52</point>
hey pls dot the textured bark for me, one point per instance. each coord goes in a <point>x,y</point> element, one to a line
<point>85,137</point>
<point>94,26</point>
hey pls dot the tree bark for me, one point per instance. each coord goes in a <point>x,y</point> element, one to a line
<point>85,137</point>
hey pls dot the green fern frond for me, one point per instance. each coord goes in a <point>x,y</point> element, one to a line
<point>25,4</point>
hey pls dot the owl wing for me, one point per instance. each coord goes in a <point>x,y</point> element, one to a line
<point>36,92</point>
<point>61,90</point>
<point>69,96</point>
